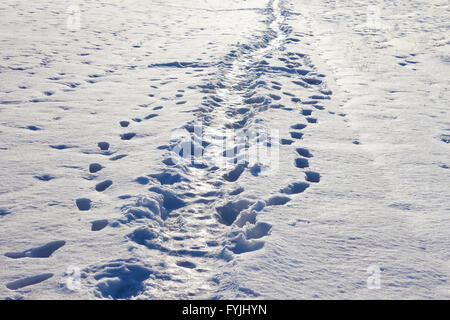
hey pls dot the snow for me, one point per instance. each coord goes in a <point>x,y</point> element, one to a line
<point>224,149</point>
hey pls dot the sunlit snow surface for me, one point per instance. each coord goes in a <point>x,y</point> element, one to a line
<point>119,178</point>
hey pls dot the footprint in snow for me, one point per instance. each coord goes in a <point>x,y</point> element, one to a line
<point>43,251</point>
<point>118,157</point>
<point>277,200</point>
<point>296,134</point>
<point>304,152</point>
<point>45,177</point>
<point>24,282</point>
<point>286,141</point>
<point>103,146</point>
<point>259,230</point>
<point>186,264</point>
<point>98,225</point>
<point>298,126</point>
<point>301,163</point>
<point>127,136</point>
<point>150,116</point>
<point>83,204</point>
<point>295,188</point>
<point>312,176</point>
<point>61,146</point>
<point>94,167</point>
<point>102,186</point>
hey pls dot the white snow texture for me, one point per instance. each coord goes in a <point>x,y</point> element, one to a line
<point>224,149</point>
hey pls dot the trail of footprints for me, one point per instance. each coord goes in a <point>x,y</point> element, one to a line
<point>83,204</point>
<point>177,198</point>
<point>176,217</point>
<point>43,251</point>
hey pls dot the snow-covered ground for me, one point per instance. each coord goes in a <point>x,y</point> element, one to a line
<point>282,149</point>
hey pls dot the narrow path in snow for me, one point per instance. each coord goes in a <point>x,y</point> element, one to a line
<point>193,216</point>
